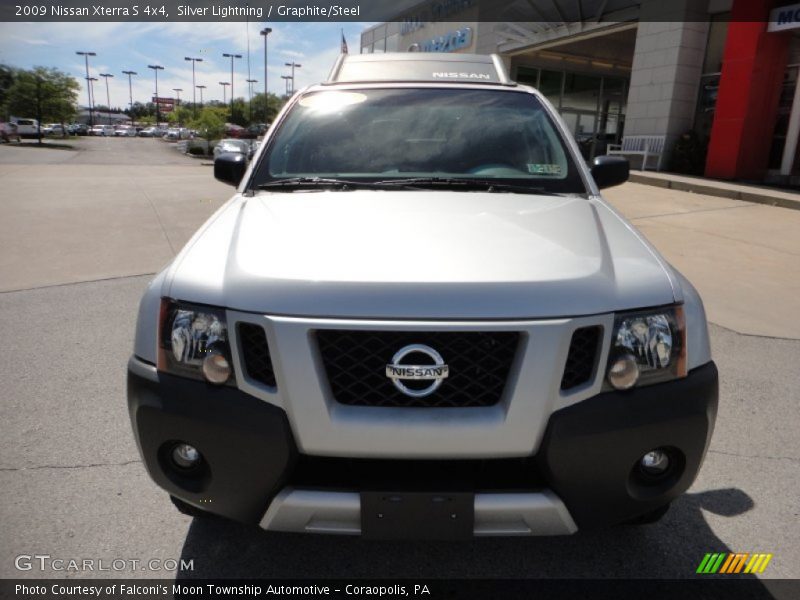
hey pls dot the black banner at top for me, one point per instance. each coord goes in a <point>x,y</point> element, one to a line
<point>550,12</point>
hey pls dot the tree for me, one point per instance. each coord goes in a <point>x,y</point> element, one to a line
<point>7,75</point>
<point>140,112</point>
<point>239,113</point>
<point>210,123</point>
<point>275,105</point>
<point>50,93</point>
<point>180,115</point>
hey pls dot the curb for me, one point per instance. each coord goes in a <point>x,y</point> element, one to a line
<point>709,189</point>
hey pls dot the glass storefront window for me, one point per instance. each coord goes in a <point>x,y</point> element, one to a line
<point>528,76</point>
<point>790,82</point>
<point>715,48</point>
<point>592,106</point>
<point>550,83</point>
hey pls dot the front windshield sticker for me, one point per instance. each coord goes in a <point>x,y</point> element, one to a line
<point>537,169</point>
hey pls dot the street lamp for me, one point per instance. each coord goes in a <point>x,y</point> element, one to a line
<point>231,56</point>
<point>265,32</point>
<point>194,96</point>
<point>108,95</point>
<point>156,69</point>
<point>91,81</point>
<point>130,91</point>
<point>250,83</point>
<point>286,78</point>
<point>86,56</point>
<point>201,88</point>
<point>224,85</point>
<point>294,66</point>
<point>178,103</point>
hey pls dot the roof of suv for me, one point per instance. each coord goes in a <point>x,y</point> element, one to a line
<point>419,67</point>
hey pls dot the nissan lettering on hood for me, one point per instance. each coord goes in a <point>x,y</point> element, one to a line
<point>417,317</point>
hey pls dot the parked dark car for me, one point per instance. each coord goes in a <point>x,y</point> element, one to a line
<point>78,129</point>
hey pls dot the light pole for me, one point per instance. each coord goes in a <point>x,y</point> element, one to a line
<point>156,69</point>
<point>194,96</point>
<point>286,79</point>
<point>265,32</point>
<point>91,81</point>
<point>224,85</point>
<point>294,66</point>
<point>86,56</point>
<point>201,88</point>
<point>250,83</point>
<point>231,56</point>
<point>130,91</point>
<point>178,103</point>
<point>108,95</point>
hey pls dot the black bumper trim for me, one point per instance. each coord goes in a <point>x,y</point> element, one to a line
<point>589,450</point>
<point>247,443</point>
<point>587,455</point>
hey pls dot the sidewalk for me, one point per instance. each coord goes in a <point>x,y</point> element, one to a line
<point>722,189</point>
<point>743,257</point>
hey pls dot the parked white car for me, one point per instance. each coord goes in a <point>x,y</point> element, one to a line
<point>176,133</point>
<point>418,317</point>
<point>104,130</point>
<point>53,129</point>
<point>25,127</point>
<point>125,131</point>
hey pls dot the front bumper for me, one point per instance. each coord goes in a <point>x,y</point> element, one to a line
<point>582,476</point>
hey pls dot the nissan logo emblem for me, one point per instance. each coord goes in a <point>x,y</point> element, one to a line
<point>398,372</point>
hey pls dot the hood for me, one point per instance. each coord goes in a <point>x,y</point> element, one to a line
<point>420,254</point>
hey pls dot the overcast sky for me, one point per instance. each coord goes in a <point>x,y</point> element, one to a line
<point>132,46</point>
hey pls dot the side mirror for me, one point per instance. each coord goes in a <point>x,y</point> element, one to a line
<point>230,167</point>
<point>609,171</point>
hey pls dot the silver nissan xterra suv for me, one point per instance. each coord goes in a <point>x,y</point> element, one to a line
<point>418,318</point>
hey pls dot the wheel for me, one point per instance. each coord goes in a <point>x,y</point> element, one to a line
<point>654,516</point>
<point>188,509</point>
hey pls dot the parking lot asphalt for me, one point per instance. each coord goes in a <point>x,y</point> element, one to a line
<point>80,232</point>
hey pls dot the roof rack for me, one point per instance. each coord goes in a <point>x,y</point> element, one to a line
<point>419,67</point>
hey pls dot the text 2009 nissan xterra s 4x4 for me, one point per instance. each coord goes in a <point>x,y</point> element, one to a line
<point>417,317</point>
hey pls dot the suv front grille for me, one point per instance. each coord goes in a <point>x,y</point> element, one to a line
<point>255,353</point>
<point>582,356</point>
<point>479,364</point>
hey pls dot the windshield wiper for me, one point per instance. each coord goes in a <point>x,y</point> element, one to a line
<point>293,183</point>
<point>466,183</point>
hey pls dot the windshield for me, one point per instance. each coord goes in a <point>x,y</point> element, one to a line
<point>384,135</point>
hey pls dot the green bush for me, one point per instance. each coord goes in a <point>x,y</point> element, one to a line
<point>197,151</point>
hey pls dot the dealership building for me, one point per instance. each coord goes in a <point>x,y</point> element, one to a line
<point>723,71</point>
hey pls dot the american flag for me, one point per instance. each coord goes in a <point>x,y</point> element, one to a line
<point>344,43</point>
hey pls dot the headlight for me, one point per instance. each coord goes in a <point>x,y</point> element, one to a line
<point>193,342</point>
<point>647,347</point>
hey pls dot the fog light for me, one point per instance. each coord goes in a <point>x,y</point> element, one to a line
<point>216,368</point>
<point>624,372</point>
<point>185,456</point>
<point>655,462</point>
